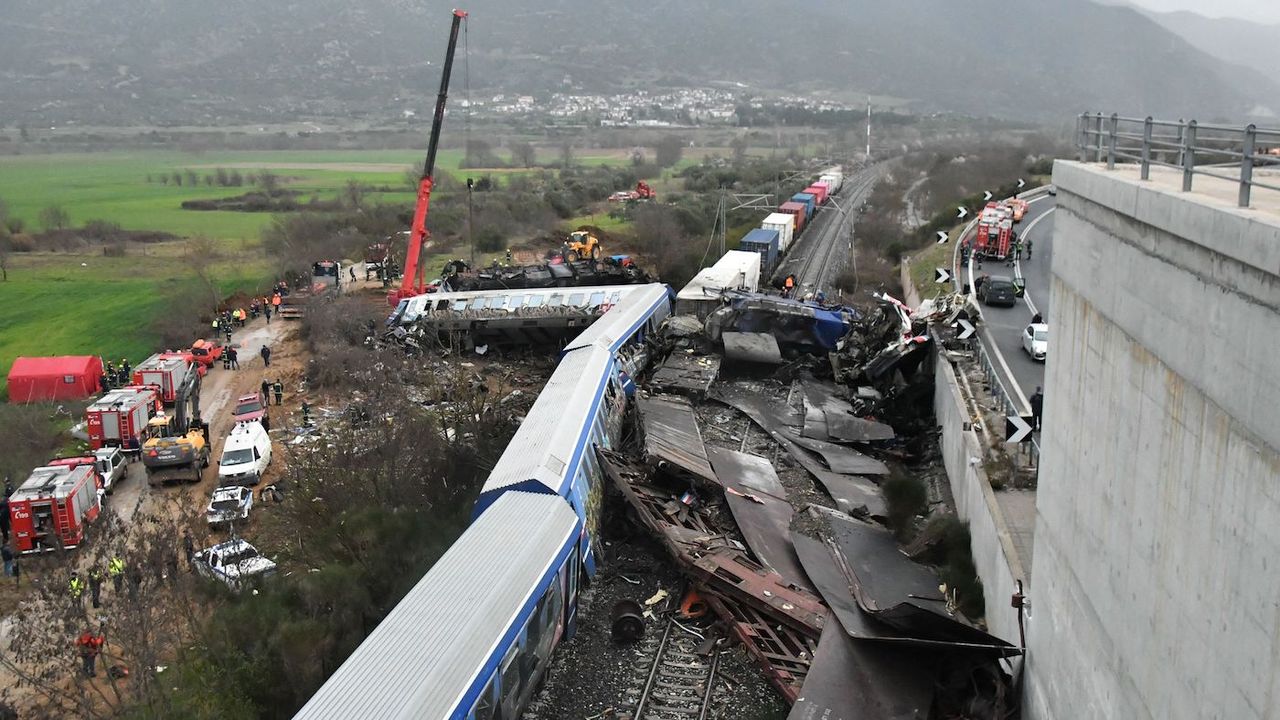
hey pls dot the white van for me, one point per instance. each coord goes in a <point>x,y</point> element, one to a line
<point>245,455</point>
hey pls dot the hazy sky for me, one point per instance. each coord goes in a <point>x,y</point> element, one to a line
<point>1258,10</point>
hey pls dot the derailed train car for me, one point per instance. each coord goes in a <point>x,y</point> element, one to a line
<point>472,639</point>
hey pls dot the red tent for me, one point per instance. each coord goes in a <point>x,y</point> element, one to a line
<point>67,377</point>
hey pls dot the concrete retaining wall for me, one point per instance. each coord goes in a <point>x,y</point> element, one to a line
<point>993,550</point>
<point>1158,511</point>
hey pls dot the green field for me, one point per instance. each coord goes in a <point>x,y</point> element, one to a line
<point>54,305</point>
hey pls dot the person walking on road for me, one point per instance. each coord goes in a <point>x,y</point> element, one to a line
<point>265,352</point>
<point>1037,406</point>
<point>352,271</point>
<point>266,310</point>
<point>7,554</point>
<point>1028,248</point>
<point>126,370</point>
<point>234,358</point>
<point>266,392</point>
<point>188,549</point>
<point>95,587</point>
<point>278,388</point>
<point>115,570</point>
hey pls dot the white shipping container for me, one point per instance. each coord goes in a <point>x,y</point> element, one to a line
<point>785,224</point>
<point>833,181</point>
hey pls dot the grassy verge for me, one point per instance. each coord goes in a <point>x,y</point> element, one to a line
<point>926,261</point>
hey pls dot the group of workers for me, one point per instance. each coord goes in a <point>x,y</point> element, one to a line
<point>114,376</point>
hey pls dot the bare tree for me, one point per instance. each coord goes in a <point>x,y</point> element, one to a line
<point>54,217</point>
<point>6,251</point>
<point>269,182</point>
<point>202,253</point>
<point>668,151</point>
<point>524,154</point>
<point>353,194</point>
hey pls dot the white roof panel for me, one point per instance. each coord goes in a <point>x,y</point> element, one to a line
<point>622,319</point>
<point>737,269</point>
<point>422,657</point>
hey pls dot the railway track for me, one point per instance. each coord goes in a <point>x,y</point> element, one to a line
<point>817,263</point>
<point>676,682</point>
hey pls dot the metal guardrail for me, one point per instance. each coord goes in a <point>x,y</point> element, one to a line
<point>1185,145</point>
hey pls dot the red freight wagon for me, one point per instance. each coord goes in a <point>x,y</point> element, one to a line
<point>797,209</point>
<point>51,508</point>
<point>120,416</point>
<point>818,191</point>
<point>166,371</point>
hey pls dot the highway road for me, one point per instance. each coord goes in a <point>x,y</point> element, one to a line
<point>1004,326</point>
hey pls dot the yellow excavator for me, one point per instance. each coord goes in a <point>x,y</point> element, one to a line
<point>582,244</point>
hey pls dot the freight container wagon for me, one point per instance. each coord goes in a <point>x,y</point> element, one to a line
<point>50,509</point>
<point>798,210</point>
<point>120,417</point>
<point>764,242</point>
<point>166,371</point>
<point>785,224</point>
<point>819,193</point>
<point>809,203</point>
<point>834,180</point>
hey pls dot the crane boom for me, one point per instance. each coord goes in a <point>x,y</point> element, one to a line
<point>411,284</point>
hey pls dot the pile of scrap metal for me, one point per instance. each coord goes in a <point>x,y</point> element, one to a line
<point>890,343</point>
<point>458,276</point>
<point>843,623</point>
<point>760,328</point>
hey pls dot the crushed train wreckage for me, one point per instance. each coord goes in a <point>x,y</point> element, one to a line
<point>844,623</point>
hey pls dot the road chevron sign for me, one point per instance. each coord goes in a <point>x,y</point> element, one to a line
<point>943,237</point>
<point>986,194</point>
<point>1021,182</point>
<point>966,330</point>
<point>942,275</point>
<point>1017,428</point>
<point>961,211</point>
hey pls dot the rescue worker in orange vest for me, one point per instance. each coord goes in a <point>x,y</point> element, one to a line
<point>90,646</point>
<point>275,301</point>
<point>788,286</point>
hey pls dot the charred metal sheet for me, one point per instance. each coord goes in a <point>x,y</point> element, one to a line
<point>828,417</point>
<point>849,680</point>
<point>671,434</point>
<point>682,530</point>
<point>684,373</point>
<point>779,422</point>
<point>752,347</point>
<point>745,472</point>
<point>784,653</point>
<point>735,575</point>
<point>900,593</point>
<point>840,459</point>
<point>765,523</point>
<point>853,494</point>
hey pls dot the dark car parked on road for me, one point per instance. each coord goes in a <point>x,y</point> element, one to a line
<point>998,290</point>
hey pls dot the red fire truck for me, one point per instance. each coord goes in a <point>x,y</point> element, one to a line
<point>994,234</point>
<point>120,417</point>
<point>166,371</point>
<point>50,509</point>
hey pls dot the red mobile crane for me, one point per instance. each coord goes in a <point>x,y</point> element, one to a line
<point>412,283</point>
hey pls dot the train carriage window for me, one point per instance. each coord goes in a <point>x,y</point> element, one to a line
<point>477,304</point>
<point>615,298</point>
<point>535,301</point>
<point>511,677</point>
<point>497,303</point>
<point>576,299</point>
<point>517,301</point>
<point>554,300</point>
<point>597,299</point>
<point>459,305</point>
<point>442,305</point>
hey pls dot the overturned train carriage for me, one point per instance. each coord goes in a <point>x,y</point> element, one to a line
<point>473,637</point>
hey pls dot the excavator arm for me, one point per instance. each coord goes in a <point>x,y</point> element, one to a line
<point>412,283</point>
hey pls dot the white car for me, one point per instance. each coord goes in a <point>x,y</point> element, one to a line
<point>111,466</point>
<point>229,504</point>
<point>1035,340</point>
<point>234,562</point>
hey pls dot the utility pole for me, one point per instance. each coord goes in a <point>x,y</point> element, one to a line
<point>471,222</point>
<point>868,129</point>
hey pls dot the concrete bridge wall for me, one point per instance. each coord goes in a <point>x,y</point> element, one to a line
<point>1157,552</point>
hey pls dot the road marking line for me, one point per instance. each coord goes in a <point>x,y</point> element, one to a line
<point>1017,262</point>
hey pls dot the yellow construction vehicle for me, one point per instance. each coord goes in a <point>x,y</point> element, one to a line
<point>582,244</point>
